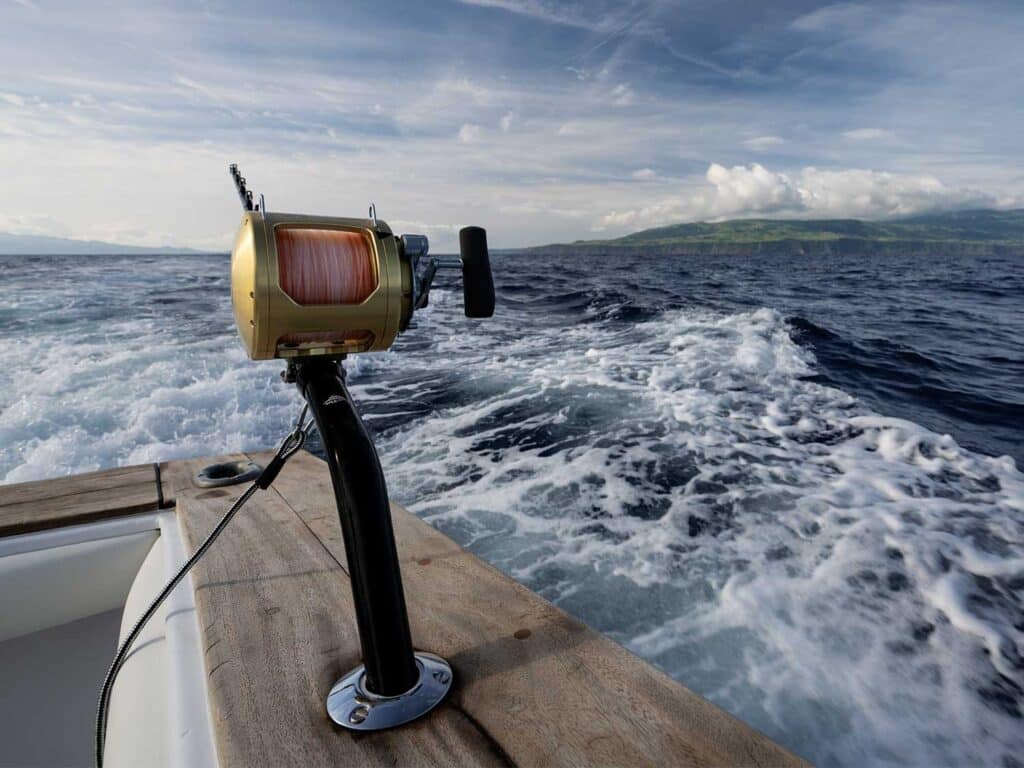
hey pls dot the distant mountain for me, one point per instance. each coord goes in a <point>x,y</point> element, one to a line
<point>38,245</point>
<point>961,232</point>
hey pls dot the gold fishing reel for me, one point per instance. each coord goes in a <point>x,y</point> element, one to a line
<point>327,286</point>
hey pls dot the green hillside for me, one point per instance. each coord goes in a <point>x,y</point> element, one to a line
<point>42,245</point>
<point>981,232</point>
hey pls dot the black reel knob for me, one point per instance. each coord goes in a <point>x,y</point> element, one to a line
<point>477,280</point>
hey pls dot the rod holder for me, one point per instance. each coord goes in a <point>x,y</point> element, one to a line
<point>393,685</point>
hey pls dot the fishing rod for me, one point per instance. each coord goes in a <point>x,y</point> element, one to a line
<point>311,290</point>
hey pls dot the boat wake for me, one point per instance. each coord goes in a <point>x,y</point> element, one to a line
<point>847,582</point>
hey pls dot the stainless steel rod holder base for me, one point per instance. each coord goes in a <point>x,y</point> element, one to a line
<point>352,706</point>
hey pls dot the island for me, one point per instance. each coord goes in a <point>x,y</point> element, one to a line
<point>975,232</point>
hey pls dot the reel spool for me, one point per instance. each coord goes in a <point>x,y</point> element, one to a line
<point>306,286</point>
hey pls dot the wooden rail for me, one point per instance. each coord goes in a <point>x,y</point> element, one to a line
<point>85,498</point>
<point>533,687</point>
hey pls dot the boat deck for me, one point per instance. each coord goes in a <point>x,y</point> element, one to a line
<point>533,686</point>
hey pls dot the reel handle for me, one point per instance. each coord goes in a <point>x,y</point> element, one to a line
<point>477,280</point>
<point>474,261</point>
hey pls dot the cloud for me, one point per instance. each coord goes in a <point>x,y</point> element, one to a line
<point>469,133</point>
<point>644,173</point>
<point>235,101</point>
<point>622,95</point>
<point>759,143</point>
<point>506,122</point>
<point>464,87</point>
<point>434,232</point>
<point>749,188</point>
<point>33,225</point>
<point>552,12</point>
<point>867,134</point>
<point>835,17</point>
<point>812,193</point>
<point>872,194</point>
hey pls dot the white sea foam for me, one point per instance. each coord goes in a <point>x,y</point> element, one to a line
<point>848,583</point>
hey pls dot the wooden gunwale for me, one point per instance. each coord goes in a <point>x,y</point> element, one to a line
<point>534,687</point>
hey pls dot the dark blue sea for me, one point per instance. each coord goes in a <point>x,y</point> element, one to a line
<point>793,483</point>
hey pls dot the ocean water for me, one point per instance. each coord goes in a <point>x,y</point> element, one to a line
<point>792,483</point>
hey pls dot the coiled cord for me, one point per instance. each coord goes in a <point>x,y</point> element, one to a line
<point>289,446</point>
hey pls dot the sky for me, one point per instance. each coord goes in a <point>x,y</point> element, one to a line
<point>542,121</point>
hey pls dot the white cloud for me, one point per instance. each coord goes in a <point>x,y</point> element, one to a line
<point>569,129</point>
<point>811,192</point>
<point>434,232</point>
<point>867,134</point>
<point>871,194</point>
<point>569,15</point>
<point>622,95</point>
<point>619,219</point>
<point>751,188</point>
<point>506,122</point>
<point>33,225</point>
<point>463,86</point>
<point>236,101</point>
<point>532,209</point>
<point>12,98</point>
<point>644,173</point>
<point>763,142</point>
<point>469,133</point>
<point>839,16</point>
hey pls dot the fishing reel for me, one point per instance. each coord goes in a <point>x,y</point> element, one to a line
<point>305,286</point>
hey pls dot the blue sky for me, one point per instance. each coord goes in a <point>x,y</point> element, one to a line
<point>540,120</point>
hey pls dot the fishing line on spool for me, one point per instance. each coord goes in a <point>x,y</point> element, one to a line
<point>324,267</point>
<point>289,446</point>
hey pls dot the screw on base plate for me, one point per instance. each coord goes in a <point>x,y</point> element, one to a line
<point>352,706</point>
